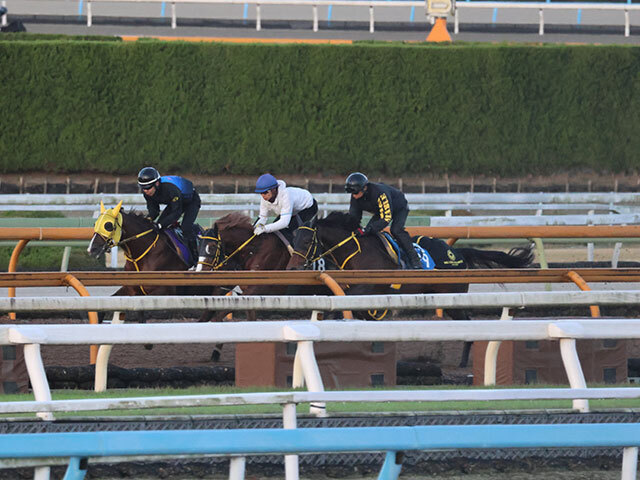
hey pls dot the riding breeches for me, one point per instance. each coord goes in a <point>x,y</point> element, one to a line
<point>189,216</point>
<point>401,235</point>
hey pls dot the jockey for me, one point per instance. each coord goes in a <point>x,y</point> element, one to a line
<point>293,206</point>
<point>178,195</point>
<point>387,204</point>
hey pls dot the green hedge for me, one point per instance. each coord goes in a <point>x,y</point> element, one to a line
<point>381,108</point>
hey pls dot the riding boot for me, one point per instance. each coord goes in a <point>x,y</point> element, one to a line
<point>412,256</point>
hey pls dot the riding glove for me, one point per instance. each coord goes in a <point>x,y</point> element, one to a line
<point>158,226</point>
<point>260,229</point>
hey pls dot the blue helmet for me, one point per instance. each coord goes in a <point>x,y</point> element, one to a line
<point>265,183</point>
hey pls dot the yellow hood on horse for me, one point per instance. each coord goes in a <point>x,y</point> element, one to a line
<point>109,223</point>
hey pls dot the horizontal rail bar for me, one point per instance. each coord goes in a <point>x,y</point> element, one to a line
<point>273,398</point>
<point>319,302</point>
<point>326,331</point>
<point>571,231</point>
<point>313,440</point>
<point>310,277</point>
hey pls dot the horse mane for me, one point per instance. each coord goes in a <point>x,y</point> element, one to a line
<point>339,220</point>
<point>234,220</point>
<point>140,217</point>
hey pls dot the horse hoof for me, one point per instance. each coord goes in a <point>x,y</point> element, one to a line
<point>215,355</point>
<point>148,346</point>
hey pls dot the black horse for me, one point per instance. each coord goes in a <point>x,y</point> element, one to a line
<point>335,237</point>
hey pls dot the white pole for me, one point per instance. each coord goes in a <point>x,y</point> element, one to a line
<point>370,19</point>
<point>38,377</point>
<point>89,15</point>
<point>315,18</point>
<point>42,473</point>
<point>312,376</point>
<point>4,17</point>
<point>627,26</point>
<point>174,21</point>
<point>236,468</point>
<point>102,359</point>
<point>491,355</point>
<point>456,30</point>
<point>289,422</point>
<point>64,265</point>
<point>258,19</point>
<point>629,463</point>
<point>541,15</point>
<point>114,257</point>
<point>574,370</point>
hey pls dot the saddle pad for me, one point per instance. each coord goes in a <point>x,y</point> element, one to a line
<point>178,244</point>
<point>424,256</point>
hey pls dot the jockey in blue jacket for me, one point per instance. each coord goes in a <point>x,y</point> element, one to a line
<point>180,198</point>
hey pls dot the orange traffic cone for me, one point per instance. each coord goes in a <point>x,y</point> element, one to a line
<point>439,31</point>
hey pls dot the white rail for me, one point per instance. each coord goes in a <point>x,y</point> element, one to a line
<point>371,5</point>
<point>320,302</point>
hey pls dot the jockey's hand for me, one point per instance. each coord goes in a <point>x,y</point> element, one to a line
<point>259,230</point>
<point>360,232</point>
<point>158,226</point>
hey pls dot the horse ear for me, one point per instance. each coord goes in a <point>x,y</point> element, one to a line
<point>116,210</point>
<point>102,209</point>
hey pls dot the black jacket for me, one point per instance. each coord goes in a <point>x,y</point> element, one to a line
<point>166,194</point>
<point>382,201</point>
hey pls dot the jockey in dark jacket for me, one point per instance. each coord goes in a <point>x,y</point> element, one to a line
<point>388,206</point>
<point>178,195</point>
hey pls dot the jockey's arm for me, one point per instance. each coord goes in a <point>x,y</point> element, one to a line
<point>283,222</point>
<point>173,210</point>
<point>286,211</point>
<point>153,207</point>
<point>382,217</point>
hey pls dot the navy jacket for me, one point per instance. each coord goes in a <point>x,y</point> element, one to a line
<point>382,201</point>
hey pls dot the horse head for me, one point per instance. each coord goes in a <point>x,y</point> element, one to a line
<point>107,230</point>
<point>210,251</point>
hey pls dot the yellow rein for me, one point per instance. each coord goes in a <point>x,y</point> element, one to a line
<point>219,265</point>
<point>136,260</point>
<point>343,242</point>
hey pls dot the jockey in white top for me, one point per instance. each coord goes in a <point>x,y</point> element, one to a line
<point>288,203</point>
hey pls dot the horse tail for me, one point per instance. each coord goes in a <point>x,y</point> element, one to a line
<point>518,257</point>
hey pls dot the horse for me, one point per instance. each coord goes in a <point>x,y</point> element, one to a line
<point>335,236</point>
<point>145,247</point>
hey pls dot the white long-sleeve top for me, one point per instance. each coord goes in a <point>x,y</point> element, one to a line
<point>290,201</point>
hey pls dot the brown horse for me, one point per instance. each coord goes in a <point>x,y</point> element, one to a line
<point>335,237</point>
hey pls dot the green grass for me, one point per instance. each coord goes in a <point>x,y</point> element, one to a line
<point>338,407</point>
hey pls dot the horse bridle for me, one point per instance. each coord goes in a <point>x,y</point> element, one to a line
<point>315,241</point>
<point>215,263</point>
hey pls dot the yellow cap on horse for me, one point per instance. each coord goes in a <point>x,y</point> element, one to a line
<point>109,223</point>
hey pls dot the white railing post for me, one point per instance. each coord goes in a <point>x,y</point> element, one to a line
<point>456,22</point>
<point>258,18</point>
<point>64,265</point>
<point>114,257</point>
<point>541,16</point>
<point>174,19</point>
<point>315,18</point>
<point>102,359</point>
<point>491,355</point>
<point>237,468</point>
<point>289,422</point>
<point>38,377</point>
<point>89,14</point>
<point>627,26</point>
<point>629,463</point>
<point>4,17</point>
<point>574,370</point>
<point>42,473</point>
<point>371,19</point>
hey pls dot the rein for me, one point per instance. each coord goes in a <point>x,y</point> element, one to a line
<point>330,251</point>
<point>227,258</point>
<point>136,260</point>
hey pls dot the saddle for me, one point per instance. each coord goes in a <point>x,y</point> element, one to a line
<point>181,245</point>
<point>400,257</point>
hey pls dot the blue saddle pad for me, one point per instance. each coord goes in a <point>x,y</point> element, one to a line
<point>425,259</point>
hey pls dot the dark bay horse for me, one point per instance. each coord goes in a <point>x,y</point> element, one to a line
<point>145,248</point>
<point>231,245</point>
<point>335,236</point>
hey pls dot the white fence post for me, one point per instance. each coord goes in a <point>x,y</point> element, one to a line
<point>102,359</point>
<point>574,370</point>
<point>491,355</point>
<point>38,377</point>
<point>237,468</point>
<point>289,422</point>
<point>629,463</point>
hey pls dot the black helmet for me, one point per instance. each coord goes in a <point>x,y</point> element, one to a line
<point>355,182</point>
<point>148,176</point>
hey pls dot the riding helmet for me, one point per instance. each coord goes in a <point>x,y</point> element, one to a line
<point>265,183</point>
<point>355,182</point>
<point>147,176</point>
